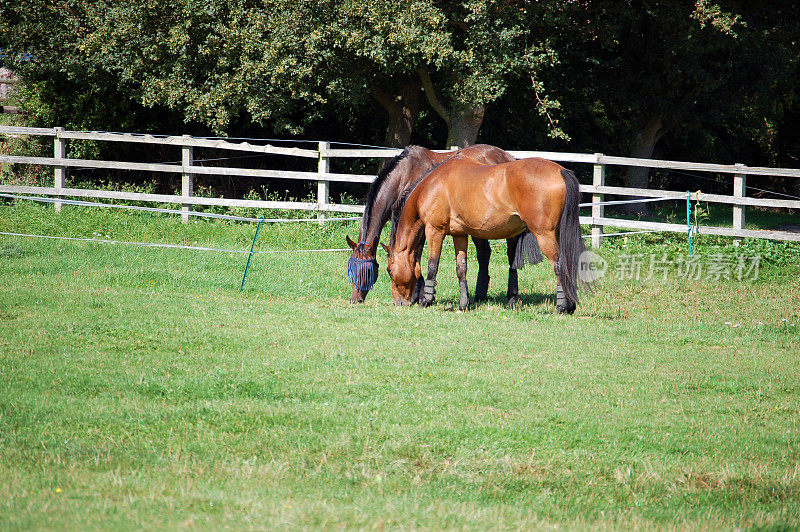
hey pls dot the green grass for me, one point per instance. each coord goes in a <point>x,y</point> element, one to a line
<point>140,389</point>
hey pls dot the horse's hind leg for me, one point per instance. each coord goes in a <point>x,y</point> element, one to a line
<point>549,246</point>
<point>513,280</point>
<point>484,253</point>
<point>460,243</point>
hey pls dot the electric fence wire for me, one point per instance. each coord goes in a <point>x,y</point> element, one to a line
<point>224,250</point>
<point>338,143</point>
<point>170,211</point>
<point>711,179</point>
<point>208,160</point>
<point>170,246</point>
<point>624,202</point>
<point>248,139</point>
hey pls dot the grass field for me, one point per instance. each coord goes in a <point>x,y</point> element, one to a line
<point>139,388</point>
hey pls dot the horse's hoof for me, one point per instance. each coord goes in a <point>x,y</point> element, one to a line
<point>512,302</point>
<point>565,309</point>
<point>426,302</point>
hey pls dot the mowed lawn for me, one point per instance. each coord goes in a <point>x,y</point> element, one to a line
<point>139,388</point>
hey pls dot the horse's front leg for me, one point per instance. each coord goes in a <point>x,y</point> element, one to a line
<point>435,240</point>
<point>460,243</point>
<point>420,286</point>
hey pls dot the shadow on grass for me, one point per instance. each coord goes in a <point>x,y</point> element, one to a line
<point>523,302</point>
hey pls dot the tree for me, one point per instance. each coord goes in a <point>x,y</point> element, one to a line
<point>283,62</point>
<point>462,53</point>
<point>649,66</point>
<point>489,44</point>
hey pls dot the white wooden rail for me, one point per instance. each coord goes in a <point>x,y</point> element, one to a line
<point>323,177</point>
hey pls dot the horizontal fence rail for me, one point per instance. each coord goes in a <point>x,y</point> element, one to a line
<point>180,169</point>
<point>323,177</point>
<point>180,200</point>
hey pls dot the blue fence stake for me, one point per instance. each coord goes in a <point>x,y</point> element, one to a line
<point>250,256</point>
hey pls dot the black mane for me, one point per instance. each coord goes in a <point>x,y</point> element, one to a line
<point>376,185</point>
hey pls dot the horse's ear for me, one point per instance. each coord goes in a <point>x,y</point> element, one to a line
<point>417,270</point>
<point>386,248</point>
<point>350,242</point>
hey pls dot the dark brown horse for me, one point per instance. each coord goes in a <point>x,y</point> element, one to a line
<point>396,178</point>
<point>462,198</point>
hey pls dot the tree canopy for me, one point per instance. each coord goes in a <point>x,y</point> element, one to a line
<point>578,75</point>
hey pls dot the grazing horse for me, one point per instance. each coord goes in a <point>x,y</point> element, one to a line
<point>462,198</point>
<point>396,178</point>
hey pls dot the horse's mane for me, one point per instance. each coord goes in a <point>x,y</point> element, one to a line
<point>401,201</point>
<point>376,185</point>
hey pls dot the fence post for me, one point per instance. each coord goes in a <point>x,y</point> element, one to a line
<point>187,180</point>
<point>739,191</point>
<point>59,172</point>
<point>598,211</point>
<point>323,186</point>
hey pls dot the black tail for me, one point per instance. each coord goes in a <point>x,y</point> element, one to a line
<point>570,241</point>
<point>527,251</point>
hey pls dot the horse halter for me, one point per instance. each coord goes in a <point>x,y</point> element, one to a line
<point>362,272</point>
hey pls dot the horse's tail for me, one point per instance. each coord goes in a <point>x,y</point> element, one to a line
<point>570,240</point>
<point>527,250</point>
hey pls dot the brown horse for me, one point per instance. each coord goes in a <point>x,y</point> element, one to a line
<point>462,198</point>
<point>396,178</point>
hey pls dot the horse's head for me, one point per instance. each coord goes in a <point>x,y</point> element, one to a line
<point>362,268</point>
<point>404,271</point>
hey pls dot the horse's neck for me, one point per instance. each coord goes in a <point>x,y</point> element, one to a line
<point>380,210</point>
<point>404,175</point>
<point>409,228</point>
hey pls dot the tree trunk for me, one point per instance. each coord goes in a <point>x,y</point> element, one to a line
<point>643,146</point>
<point>402,104</point>
<point>463,126</point>
<point>463,122</point>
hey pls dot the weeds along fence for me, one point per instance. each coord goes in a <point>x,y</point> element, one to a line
<point>324,153</point>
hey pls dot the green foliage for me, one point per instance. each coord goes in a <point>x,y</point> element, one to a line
<point>26,174</point>
<point>721,76</point>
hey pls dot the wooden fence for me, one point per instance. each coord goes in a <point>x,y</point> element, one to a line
<point>323,177</point>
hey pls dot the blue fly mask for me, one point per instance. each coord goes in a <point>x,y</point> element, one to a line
<point>362,272</point>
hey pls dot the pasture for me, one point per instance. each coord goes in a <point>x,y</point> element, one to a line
<point>139,388</point>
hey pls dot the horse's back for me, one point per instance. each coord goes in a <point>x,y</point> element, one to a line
<point>486,154</point>
<point>535,174</point>
<point>465,197</point>
<point>492,200</point>
<point>537,189</point>
<point>532,172</point>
